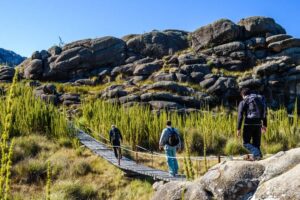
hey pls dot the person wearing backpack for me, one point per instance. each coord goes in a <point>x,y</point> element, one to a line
<point>115,138</point>
<point>253,111</point>
<point>170,141</point>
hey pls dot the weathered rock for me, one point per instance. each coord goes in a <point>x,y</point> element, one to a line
<point>114,91</point>
<point>250,83</point>
<point>164,77</point>
<point>187,69</point>
<point>69,99</point>
<point>233,179</point>
<point>157,44</point>
<point>6,73</point>
<point>222,85</point>
<point>190,58</point>
<point>129,98</point>
<point>55,50</point>
<point>280,163</point>
<point>260,26</point>
<point>34,70</point>
<point>170,86</point>
<point>277,38</point>
<point>196,77</point>
<point>284,187</point>
<point>219,32</point>
<point>255,43</point>
<point>181,77</point>
<point>180,190</point>
<point>147,68</point>
<point>85,82</point>
<point>226,49</point>
<point>208,82</point>
<point>77,58</point>
<point>158,105</point>
<point>284,44</point>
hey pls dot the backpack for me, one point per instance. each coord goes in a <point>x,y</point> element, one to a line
<point>256,106</point>
<point>173,139</point>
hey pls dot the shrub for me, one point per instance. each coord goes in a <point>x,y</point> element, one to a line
<point>81,168</point>
<point>234,147</point>
<point>31,171</point>
<point>76,191</point>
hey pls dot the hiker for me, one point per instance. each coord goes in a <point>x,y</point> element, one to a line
<point>170,141</point>
<point>115,137</point>
<point>253,110</point>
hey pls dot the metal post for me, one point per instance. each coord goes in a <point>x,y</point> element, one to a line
<point>219,158</point>
<point>152,157</point>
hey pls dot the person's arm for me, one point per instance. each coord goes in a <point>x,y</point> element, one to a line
<point>240,117</point>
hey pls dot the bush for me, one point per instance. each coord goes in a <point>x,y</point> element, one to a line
<point>81,168</point>
<point>31,171</point>
<point>25,147</point>
<point>234,147</point>
<point>76,191</point>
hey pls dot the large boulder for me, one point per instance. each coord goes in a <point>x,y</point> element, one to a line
<point>260,26</point>
<point>284,187</point>
<point>284,44</point>
<point>280,163</point>
<point>6,73</point>
<point>147,68</point>
<point>179,191</point>
<point>75,59</point>
<point>219,32</point>
<point>232,180</point>
<point>170,86</point>
<point>157,44</point>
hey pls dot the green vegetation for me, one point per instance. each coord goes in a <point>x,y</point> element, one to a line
<point>141,127</point>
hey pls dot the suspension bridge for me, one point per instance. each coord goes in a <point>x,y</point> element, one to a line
<point>130,166</point>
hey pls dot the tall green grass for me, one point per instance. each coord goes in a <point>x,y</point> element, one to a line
<point>32,115</point>
<point>207,132</point>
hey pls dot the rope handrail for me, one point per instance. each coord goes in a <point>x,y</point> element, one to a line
<point>156,154</point>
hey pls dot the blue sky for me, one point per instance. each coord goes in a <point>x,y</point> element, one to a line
<point>29,25</point>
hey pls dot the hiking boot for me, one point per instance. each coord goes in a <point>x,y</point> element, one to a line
<point>249,157</point>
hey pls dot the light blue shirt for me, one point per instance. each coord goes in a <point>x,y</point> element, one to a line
<point>165,136</point>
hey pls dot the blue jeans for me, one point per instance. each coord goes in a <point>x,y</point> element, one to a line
<point>171,159</point>
<point>254,150</point>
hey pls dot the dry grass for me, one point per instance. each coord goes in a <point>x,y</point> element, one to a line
<point>74,177</point>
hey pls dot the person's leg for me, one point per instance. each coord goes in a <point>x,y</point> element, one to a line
<point>247,136</point>
<point>257,140</point>
<point>116,151</point>
<point>169,155</point>
<point>175,162</point>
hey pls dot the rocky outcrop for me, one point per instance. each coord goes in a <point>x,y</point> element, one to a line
<point>6,73</point>
<point>217,59</point>
<point>158,44</point>
<point>219,32</point>
<point>273,178</point>
<point>261,26</point>
<point>10,58</point>
<point>49,94</point>
<point>75,59</point>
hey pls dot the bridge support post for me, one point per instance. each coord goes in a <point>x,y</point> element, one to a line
<point>152,157</point>
<point>136,157</point>
<point>219,158</point>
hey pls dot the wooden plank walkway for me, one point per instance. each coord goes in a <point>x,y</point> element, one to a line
<point>126,164</point>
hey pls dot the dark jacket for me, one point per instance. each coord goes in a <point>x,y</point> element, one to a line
<point>115,136</point>
<point>242,113</point>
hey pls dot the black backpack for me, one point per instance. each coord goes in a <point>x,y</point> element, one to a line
<point>256,106</point>
<point>173,139</point>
